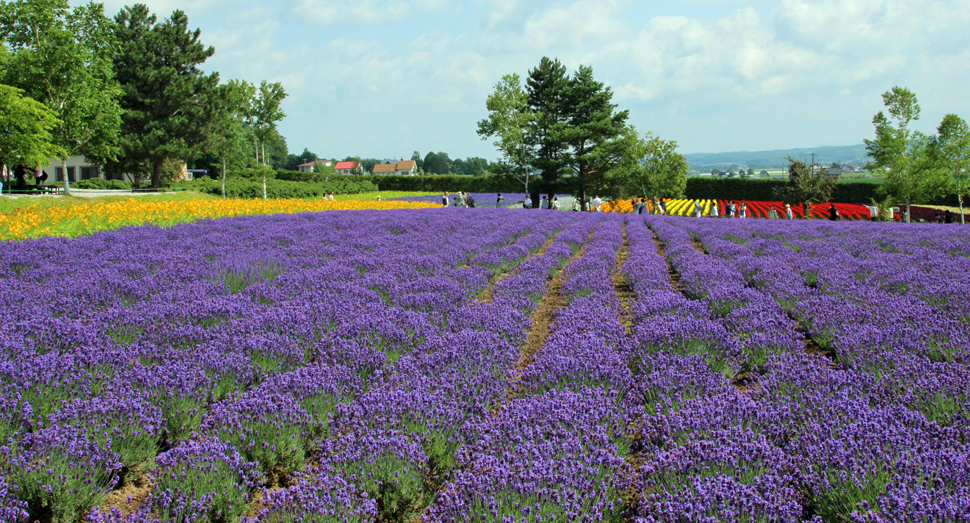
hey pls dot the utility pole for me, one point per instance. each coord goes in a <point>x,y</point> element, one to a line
<point>813,164</point>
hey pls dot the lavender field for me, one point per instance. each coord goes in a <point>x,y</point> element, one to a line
<point>489,366</point>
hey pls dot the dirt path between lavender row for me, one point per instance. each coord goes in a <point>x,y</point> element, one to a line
<point>486,295</point>
<point>671,273</point>
<point>623,290</point>
<point>542,319</point>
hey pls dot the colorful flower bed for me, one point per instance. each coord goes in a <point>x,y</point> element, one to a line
<point>354,366</point>
<point>86,218</point>
<point>756,209</point>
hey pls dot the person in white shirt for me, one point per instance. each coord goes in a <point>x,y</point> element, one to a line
<point>527,204</point>
<point>597,204</point>
<point>555,203</point>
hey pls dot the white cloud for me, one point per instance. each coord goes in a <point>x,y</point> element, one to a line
<point>366,11</point>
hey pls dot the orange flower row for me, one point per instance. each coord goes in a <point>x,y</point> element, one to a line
<point>87,218</point>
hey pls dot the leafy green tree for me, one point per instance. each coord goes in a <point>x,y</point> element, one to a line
<point>265,113</point>
<point>547,87</point>
<point>655,169</point>
<point>806,186</point>
<point>437,163</point>
<point>952,150</point>
<point>902,153</point>
<point>62,58</point>
<point>324,169</point>
<point>229,102</point>
<point>509,120</point>
<point>418,161</point>
<point>593,132</point>
<point>25,130</point>
<point>167,99</point>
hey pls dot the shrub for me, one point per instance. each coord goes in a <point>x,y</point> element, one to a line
<point>102,184</point>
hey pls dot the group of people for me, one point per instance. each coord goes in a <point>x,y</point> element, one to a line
<point>946,218</point>
<point>462,199</point>
<point>544,203</point>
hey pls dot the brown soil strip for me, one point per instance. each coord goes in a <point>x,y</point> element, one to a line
<point>136,486</point>
<point>698,246</point>
<point>812,346</point>
<point>542,318</point>
<point>623,290</point>
<point>486,295</point>
<point>674,276</point>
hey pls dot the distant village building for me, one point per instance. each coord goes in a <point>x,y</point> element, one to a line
<point>401,168</point>
<point>348,168</point>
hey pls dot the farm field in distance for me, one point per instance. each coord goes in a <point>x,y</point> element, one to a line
<point>494,365</point>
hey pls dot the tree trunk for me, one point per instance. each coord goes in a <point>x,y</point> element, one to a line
<point>583,204</point>
<point>263,145</point>
<point>223,177</point>
<point>807,210</point>
<point>909,217</point>
<point>960,196</point>
<point>67,179</point>
<point>256,147</point>
<point>264,186</point>
<point>157,173</point>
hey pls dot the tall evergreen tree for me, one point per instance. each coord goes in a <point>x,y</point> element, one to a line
<point>546,87</point>
<point>166,97</point>
<point>593,132</point>
<point>62,58</point>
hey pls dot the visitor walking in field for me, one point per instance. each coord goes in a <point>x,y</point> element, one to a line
<point>527,204</point>
<point>698,210</point>
<point>948,217</point>
<point>788,213</point>
<point>597,204</point>
<point>459,200</point>
<point>715,213</point>
<point>731,209</point>
<point>498,200</point>
<point>833,213</point>
<point>544,203</point>
<point>744,210</point>
<point>576,204</point>
<point>444,199</point>
<point>555,203</point>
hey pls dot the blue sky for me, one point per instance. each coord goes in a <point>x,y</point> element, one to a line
<point>383,78</point>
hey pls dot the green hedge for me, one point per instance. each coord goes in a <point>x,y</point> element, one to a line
<point>738,189</point>
<point>101,183</point>
<point>436,183</point>
<point>242,187</point>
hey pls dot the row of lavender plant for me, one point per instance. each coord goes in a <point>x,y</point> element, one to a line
<point>250,332</point>
<point>700,448</point>
<point>882,436</point>
<point>394,445</point>
<point>556,453</point>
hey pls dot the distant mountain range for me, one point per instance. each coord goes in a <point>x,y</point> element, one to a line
<point>854,155</point>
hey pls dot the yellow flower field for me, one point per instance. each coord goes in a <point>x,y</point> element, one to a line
<point>89,217</point>
<point>679,207</point>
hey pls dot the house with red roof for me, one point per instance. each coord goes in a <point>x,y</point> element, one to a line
<point>348,168</point>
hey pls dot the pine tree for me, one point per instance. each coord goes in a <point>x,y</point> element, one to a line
<point>593,132</point>
<point>166,97</point>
